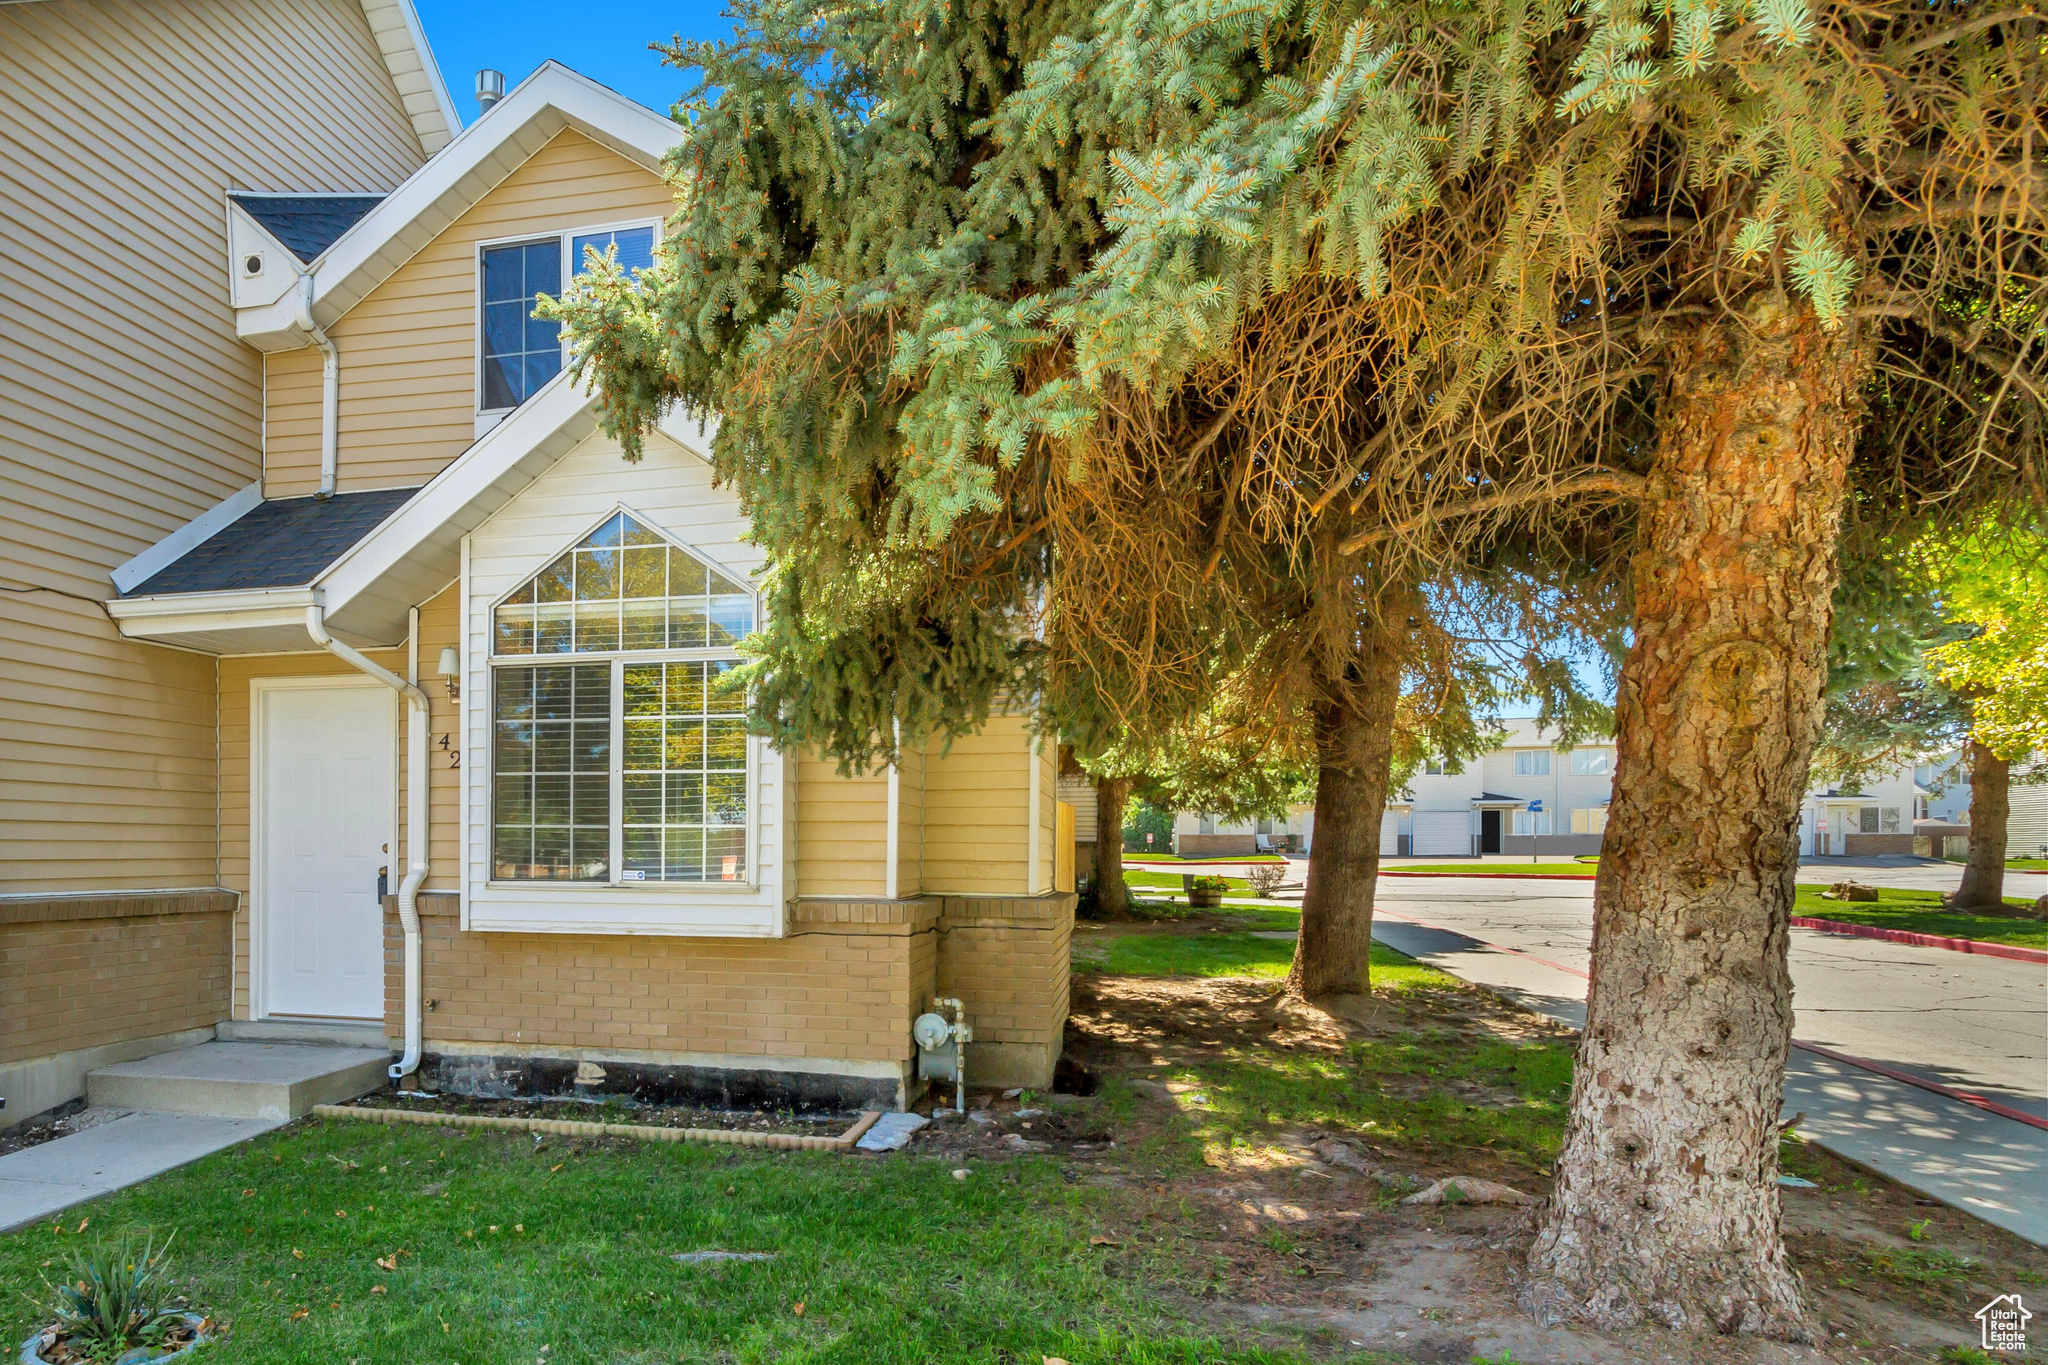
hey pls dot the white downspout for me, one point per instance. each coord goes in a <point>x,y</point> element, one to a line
<point>330,389</point>
<point>415,806</point>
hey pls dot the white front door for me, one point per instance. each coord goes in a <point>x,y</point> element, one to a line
<point>324,809</point>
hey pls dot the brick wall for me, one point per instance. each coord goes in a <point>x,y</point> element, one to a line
<point>87,971</point>
<point>841,987</point>
<point>1214,845</point>
<point>1875,845</point>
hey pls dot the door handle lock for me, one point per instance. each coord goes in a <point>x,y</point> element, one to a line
<point>383,882</point>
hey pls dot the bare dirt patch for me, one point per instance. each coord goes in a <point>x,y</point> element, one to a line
<point>1297,1222</point>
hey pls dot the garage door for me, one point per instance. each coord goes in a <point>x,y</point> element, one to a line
<point>1443,832</point>
<point>1390,833</point>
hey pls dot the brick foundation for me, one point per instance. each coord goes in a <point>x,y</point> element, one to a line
<point>817,1018</point>
<point>87,980</point>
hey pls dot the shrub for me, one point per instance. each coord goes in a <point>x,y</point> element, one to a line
<point>1265,878</point>
<point>1208,884</point>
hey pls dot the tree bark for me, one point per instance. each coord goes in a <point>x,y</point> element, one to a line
<point>1112,892</point>
<point>1354,753</point>
<point>1666,1201</point>
<point>1990,808</point>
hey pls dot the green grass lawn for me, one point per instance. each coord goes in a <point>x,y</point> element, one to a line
<point>1921,912</point>
<point>512,1252</point>
<point>1417,1084</point>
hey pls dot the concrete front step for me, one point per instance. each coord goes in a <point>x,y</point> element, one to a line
<point>333,1033</point>
<point>240,1080</point>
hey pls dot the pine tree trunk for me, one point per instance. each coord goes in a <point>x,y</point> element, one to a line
<point>1355,749</point>
<point>1990,809</point>
<point>1666,1201</point>
<point>1112,892</point>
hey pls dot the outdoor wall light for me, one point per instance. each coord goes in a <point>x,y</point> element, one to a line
<point>451,672</point>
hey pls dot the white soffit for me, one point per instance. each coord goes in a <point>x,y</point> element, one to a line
<point>395,24</point>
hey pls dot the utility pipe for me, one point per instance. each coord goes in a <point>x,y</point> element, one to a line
<point>415,806</point>
<point>330,390</point>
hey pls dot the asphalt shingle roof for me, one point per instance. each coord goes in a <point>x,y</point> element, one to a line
<point>307,223</point>
<point>283,543</point>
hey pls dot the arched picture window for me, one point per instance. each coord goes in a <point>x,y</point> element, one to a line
<point>626,761</point>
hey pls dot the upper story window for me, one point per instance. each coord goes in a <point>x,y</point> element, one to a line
<point>1532,763</point>
<point>1433,767</point>
<point>628,763</point>
<point>1592,763</point>
<point>520,352</point>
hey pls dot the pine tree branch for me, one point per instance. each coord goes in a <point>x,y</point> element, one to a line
<point>1949,35</point>
<point>1611,483</point>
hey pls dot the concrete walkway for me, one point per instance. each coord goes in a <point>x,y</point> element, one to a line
<point>1994,1167</point>
<point>46,1179</point>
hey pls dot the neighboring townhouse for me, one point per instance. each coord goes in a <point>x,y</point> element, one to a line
<point>476,790</point>
<point>1525,797</point>
<point>129,406</point>
<point>1196,835</point>
<point>1946,806</point>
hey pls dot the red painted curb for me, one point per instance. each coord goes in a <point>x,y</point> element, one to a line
<point>1527,876</point>
<point>1957,945</point>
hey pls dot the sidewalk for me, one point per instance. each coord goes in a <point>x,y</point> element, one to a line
<point>50,1177</point>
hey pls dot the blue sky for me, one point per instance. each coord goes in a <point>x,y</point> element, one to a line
<point>607,42</point>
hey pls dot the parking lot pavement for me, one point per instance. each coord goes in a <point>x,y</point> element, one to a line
<point>1972,1023</point>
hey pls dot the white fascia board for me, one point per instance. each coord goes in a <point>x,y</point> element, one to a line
<point>688,432</point>
<point>184,613</point>
<point>460,174</point>
<point>438,507</point>
<point>178,543</point>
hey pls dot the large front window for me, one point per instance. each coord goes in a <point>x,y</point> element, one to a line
<point>627,760</point>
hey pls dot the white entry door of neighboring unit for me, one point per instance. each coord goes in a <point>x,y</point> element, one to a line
<point>324,812</point>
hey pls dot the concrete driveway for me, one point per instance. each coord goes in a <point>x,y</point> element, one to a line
<point>1972,1023</point>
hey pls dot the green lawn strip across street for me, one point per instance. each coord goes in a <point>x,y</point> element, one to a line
<point>1562,867</point>
<point>1921,912</point>
<point>507,1249</point>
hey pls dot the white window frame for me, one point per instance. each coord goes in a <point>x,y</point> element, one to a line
<point>1532,756</point>
<point>1531,822</point>
<point>490,417</point>
<point>1593,820</point>
<point>695,897</point>
<point>1582,760</point>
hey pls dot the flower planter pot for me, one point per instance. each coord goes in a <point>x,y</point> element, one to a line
<point>141,1355</point>
<point>1205,900</point>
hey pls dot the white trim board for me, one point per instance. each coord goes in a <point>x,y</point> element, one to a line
<point>182,541</point>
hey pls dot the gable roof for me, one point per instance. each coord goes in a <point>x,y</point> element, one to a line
<point>305,224</point>
<point>552,99</point>
<point>282,543</point>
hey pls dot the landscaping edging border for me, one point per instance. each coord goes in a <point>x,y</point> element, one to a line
<point>576,1128</point>
<point>1954,945</point>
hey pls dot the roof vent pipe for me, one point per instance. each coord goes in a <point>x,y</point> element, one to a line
<point>490,87</point>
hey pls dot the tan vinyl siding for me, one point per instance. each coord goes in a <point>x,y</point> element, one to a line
<point>910,824</point>
<point>127,404</point>
<point>977,806</point>
<point>842,831</point>
<point>408,350</point>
